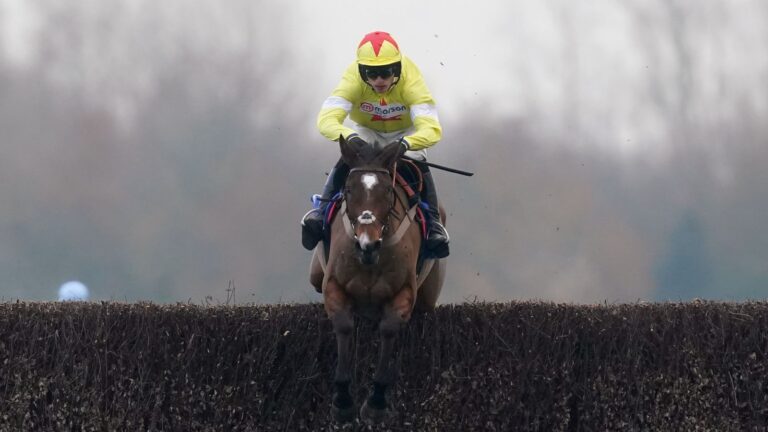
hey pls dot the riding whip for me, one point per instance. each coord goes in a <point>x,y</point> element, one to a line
<point>444,168</point>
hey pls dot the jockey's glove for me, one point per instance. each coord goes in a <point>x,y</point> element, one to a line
<point>357,142</point>
<point>404,147</point>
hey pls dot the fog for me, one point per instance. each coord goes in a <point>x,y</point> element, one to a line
<point>162,152</point>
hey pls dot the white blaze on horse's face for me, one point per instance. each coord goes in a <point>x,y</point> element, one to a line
<point>370,180</point>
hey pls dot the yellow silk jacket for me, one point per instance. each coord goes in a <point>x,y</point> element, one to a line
<point>407,103</point>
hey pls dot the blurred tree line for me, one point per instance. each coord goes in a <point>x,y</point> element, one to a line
<point>157,155</point>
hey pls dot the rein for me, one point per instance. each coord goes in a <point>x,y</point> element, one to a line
<point>404,183</point>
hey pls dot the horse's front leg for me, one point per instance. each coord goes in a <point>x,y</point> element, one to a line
<point>339,310</point>
<point>396,314</point>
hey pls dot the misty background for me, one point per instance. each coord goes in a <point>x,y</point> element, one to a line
<point>163,151</point>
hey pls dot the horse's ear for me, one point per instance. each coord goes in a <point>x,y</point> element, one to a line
<point>348,153</point>
<point>388,155</point>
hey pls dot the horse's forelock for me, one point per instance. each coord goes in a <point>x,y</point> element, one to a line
<point>368,155</point>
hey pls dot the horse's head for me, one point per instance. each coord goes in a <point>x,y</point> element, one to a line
<point>369,193</point>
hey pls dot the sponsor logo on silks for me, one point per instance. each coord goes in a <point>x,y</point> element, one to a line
<point>382,111</point>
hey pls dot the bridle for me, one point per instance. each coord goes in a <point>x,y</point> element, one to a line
<point>405,221</point>
<point>351,225</point>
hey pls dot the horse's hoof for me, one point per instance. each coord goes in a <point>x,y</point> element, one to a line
<point>374,415</point>
<point>343,415</point>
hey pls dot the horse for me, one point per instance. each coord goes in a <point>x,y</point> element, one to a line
<point>371,271</point>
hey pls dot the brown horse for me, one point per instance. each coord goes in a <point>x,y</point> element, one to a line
<point>371,271</point>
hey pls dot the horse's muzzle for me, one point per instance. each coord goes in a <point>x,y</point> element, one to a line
<point>368,251</point>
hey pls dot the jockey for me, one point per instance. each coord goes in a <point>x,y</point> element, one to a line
<point>385,96</point>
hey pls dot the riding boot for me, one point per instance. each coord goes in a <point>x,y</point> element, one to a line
<point>312,223</point>
<point>437,236</point>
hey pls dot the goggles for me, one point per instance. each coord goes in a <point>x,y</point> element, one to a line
<point>385,72</point>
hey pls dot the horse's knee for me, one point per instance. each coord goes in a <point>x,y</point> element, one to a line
<point>397,313</point>
<point>390,326</point>
<point>402,304</point>
<point>338,308</point>
<point>343,323</point>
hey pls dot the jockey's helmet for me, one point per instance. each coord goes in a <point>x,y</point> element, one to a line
<point>378,54</point>
<point>378,49</point>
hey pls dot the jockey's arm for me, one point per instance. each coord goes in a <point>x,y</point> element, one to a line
<point>330,121</point>
<point>427,130</point>
<point>337,107</point>
<point>426,124</point>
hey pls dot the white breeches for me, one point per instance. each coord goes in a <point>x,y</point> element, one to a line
<point>381,139</point>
